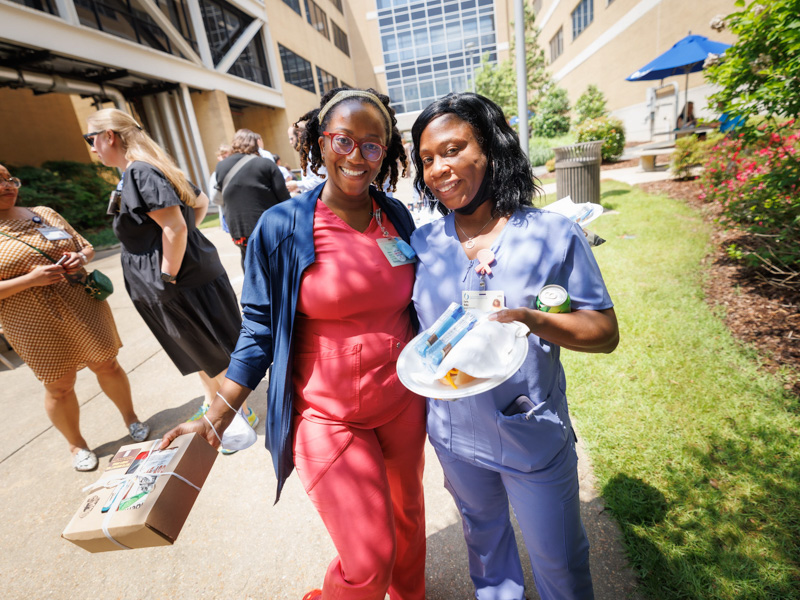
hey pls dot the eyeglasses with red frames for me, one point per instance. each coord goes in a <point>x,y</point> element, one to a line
<point>89,137</point>
<point>344,145</point>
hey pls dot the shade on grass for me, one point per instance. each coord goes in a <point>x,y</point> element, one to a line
<point>696,451</point>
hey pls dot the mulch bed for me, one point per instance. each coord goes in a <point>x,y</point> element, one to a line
<point>757,313</point>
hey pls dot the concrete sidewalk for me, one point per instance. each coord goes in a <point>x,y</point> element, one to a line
<point>236,544</point>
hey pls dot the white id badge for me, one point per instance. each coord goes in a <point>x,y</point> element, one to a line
<point>392,253</point>
<point>484,301</point>
<point>53,233</point>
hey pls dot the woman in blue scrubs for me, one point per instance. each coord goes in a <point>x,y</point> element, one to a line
<point>514,443</point>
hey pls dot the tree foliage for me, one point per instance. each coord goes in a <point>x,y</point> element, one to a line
<point>498,82</point>
<point>760,73</point>
<point>552,118</point>
<point>590,105</point>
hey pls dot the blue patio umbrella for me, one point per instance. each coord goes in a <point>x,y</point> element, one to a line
<point>686,56</point>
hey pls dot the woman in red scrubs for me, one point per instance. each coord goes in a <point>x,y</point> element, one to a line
<point>327,304</point>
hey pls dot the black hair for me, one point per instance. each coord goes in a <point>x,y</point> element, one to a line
<point>311,155</point>
<point>512,181</point>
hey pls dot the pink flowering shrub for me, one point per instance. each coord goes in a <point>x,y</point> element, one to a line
<point>757,182</point>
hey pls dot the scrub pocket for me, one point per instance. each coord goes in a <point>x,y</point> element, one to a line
<point>530,441</point>
<point>329,381</point>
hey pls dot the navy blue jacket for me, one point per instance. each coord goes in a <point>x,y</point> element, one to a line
<point>280,249</point>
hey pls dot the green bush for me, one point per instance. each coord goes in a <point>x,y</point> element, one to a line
<point>539,153</point>
<point>590,105</point>
<point>608,129</point>
<point>552,116</point>
<point>540,149</point>
<point>78,191</point>
<point>691,151</point>
<point>756,181</point>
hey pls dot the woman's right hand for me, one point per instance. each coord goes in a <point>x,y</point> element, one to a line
<point>200,427</point>
<point>45,275</point>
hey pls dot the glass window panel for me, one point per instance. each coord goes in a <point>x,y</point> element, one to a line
<point>426,90</point>
<point>412,106</point>
<point>400,17</point>
<point>389,43</point>
<point>435,10</point>
<point>442,87</point>
<point>487,40</point>
<point>411,92</point>
<point>296,69</point>
<point>418,15</point>
<point>450,8</point>
<point>385,21</point>
<point>459,83</point>
<point>440,66</point>
<point>294,4</point>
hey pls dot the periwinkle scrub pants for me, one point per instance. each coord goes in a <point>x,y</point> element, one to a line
<point>547,506</point>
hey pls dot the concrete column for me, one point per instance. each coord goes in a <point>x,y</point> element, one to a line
<point>214,122</point>
<point>175,143</point>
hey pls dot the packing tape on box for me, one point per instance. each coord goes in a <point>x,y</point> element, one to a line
<point>123,483</point>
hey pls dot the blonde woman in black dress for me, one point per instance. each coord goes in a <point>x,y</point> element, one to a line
<point>172,272</point>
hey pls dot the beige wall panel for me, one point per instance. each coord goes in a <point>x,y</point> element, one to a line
<point>628,49</point>
<point>365,44</point>
<point>214,120</point>
<point>295,33</point>
<point>29,124</point>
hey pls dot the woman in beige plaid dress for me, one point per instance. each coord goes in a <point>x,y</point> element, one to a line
<point>55,326</point>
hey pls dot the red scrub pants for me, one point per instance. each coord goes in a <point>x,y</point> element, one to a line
<point>366,485</point>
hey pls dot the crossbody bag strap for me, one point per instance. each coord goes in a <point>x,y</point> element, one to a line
<point>236,168</point>
<point>47,256</point>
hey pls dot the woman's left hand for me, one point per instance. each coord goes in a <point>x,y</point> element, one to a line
<point>580,330</point>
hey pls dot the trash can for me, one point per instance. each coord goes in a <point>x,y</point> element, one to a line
<point>578,172</point>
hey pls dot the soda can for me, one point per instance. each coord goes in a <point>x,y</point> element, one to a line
<point>553,299</point>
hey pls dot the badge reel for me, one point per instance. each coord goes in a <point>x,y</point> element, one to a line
<point>397,251</point>
<point>484,300</point>
<point>53,233</point>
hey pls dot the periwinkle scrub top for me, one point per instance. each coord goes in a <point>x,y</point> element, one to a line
<point>536,248</point>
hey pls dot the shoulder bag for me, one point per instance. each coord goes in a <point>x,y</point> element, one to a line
<point>96,284</point>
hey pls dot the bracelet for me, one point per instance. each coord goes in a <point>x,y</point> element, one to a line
<point>84,260</point>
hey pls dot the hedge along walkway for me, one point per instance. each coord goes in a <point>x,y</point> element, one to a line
<point>695,450</point>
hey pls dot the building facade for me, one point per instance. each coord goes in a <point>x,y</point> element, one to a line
<point>192,72</point>
<point>604,41</point>
<point>419,50</point>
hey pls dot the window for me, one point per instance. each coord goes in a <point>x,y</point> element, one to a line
<point>251,64</point>
<point>297,70</point>
<point>340,39</point>
<point>582,16</point>
<point>43,5</point>
<point>294,5</point>
<point>123,19</point>
<point>317,18</point>
<point>326,81</point>
<point>557,45</point>
<point>338,4</point>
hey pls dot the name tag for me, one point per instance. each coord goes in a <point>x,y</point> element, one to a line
<point>392,252</point>
<point>53,233</point>
<point>484,301</point>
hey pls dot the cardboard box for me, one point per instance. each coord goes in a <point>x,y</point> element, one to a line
<point>141,500</point>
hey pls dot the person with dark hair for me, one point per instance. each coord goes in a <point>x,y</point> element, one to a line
<point>514,442</point>
<point>327,307</point>
<point>254,186</point>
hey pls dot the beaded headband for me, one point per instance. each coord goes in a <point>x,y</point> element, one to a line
<point>345,94</point>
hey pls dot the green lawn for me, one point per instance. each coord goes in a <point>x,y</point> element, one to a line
<point>696,451</point>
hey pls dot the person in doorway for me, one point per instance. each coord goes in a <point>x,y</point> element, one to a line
<point>513,443</point>
<point>172,272</point>
<point>328,311</point>
<point>255,186</point>
<point>687,119</point>
<point>53,324</point>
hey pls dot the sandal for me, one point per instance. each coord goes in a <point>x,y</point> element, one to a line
<point>313,595</point>
<point>84,460</point>
<point>139,432</point>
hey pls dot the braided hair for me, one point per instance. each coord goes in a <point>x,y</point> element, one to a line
<point>311,155</point>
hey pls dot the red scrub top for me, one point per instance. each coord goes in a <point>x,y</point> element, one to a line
<point>352,321</point>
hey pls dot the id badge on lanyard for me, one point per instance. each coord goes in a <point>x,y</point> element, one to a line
<point>397,251</point>
<point>482,299</point>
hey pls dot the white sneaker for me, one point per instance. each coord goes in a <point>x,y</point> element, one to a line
<point>84,460</point>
